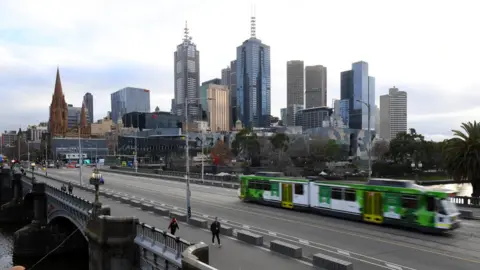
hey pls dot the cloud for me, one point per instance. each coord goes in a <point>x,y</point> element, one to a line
<point>102,46</point>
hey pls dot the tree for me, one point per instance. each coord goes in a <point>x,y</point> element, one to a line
<point>462,155</point>
<point>246,144</point>
<point>221,152</point>
<point>280,141</point>
<point>406,146</point>
<point>380,149</point>
<point>273,158</point>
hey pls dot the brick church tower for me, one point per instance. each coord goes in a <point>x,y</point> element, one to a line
<point>58,122</point>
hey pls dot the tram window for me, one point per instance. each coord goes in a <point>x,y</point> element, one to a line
<point>350,195</point>
<point>410,202</point>
<point>266,186</point>
<point>298,189</point>
<point>336,193</point>
<point>430,204</point>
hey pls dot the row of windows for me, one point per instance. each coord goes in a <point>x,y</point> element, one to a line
<point>264,185</point>
<point>344,194</point>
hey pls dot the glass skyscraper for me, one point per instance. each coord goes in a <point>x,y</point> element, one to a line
<point>253,82</point>
<point>357,85</point>
<point>129,99</point>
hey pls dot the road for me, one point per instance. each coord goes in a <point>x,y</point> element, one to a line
<point>367,246</point>
<point>232,255</point>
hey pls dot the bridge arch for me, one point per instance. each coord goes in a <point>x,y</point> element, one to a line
<point>60,216</point>
<point>67,233</point>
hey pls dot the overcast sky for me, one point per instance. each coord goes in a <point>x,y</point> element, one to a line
<point>428,48</point>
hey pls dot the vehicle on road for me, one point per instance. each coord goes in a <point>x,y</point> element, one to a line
<point>381,201</point>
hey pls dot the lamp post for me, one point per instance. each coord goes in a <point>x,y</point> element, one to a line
<point>369,149</point>
<point>187,160</point>
<point>33,169</point>
<point>80,155</point>
<point>417,168</point>
<point>95,181</point>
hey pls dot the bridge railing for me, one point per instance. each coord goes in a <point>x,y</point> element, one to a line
<point>172,242</point>
<point>466,201</point>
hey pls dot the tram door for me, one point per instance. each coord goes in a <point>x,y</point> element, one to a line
<point>372,208</point>
<point>287,194</point>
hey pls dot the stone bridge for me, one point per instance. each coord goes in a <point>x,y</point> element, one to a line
<point>66,224</point>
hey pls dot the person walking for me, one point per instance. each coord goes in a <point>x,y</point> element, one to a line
<point>173,226</point>
<point>70,187</point>
<point>215,228</point>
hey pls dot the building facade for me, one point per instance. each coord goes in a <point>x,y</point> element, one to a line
<point>88,101</point>
<point>9,138</point>
<point>34,133</point>
<point>151,120</point>
<point>315,86</point>
<point>92,148</point>
<point>218,110</point>
<point>187,78</point>
<point>226,76</point>
<point>291,117</point>
<point>393,113</point>
<point>203,96</point>
<point>358,88</point>
<point>295,83</point>
<point>74,115</point>
<point>233,92</point>
<point>341,112</point>
<point>253,82</point>
<point>129,99</point>
<point>314,117</point>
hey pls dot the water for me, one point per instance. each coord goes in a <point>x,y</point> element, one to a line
<point>54,263</point>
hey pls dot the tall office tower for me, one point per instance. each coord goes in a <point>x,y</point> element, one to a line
<point>226,76</point>
<point>315,86</point>
<point>393,113</point>
<point>295,86</point>
<point>233,92</point>
<point>129,99</point>
<point>218,107</point>
<point>377,121</point>
<point>172,107</point>
<point>341,113</point>
<point>203,95</point>
<point>359,88</point>
<point>187,78</point>
<point>253,81</point>
<point>88,101</point>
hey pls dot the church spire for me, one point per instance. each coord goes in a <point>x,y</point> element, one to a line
<point>58,84</point>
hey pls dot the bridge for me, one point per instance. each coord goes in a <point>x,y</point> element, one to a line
<point>52,216</point>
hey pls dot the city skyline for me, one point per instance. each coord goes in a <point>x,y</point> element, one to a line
<point>100,61</point>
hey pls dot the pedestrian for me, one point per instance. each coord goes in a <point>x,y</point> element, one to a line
<point>70,187</point>
<point>173,226</point>
<point>64,188</point>
<point>215,228</point>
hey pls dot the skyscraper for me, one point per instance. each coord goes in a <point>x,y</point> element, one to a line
<point>187,77</point>
<point>233,92</point>
<point>393,113</point>
<point>226,76</point>
<point>295,86</point>
<point>129,99</point>
<point>358,87</point>
<point>88,101</point>
<point>253,81</point>
<point>315,86</point>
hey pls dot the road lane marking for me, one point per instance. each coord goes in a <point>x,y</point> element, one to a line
<point>393,266</point>
<point>305,242</point>
<point>346,253</point>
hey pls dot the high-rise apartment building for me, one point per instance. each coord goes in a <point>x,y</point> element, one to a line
<point>393,113</point>
<point>295,83</point>
<point>233,92</point>
<point>187,78</point>
<point>315,86</point>
<point>88,101</point>
<point>218,109</point>
<point>129,99</point>
<point>253,81</point>
<point>359,89</point>
<point>203,95</point>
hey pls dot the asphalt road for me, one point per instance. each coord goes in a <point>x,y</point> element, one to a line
<point>367,246</point>
<point>232,255</point>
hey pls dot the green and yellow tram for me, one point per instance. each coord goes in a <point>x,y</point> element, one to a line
<point>380,201</point>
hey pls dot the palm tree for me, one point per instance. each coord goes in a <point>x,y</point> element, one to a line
<point>462,155</point>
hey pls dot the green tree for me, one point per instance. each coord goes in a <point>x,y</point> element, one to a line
<point>280,141</point>
<point>462,155</point>
<point>380,149</point>
<point>246,144</point>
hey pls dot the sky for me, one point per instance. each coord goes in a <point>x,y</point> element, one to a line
<point>427,48</point>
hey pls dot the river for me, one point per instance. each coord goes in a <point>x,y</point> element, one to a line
<point>6,242</point>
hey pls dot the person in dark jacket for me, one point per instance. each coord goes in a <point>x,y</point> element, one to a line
<point>64,188</point>
<point>215,228</point>
<point>70,188</point>
<point>173,226</point>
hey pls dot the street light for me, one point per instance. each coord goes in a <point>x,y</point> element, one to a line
<point>369,138</point>
<point>33,168</point>
<point>95,181</point>
<point>187,161</point>
<point>416,168</point>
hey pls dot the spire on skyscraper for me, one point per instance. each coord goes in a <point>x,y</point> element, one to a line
<point>253,24</point>
<point>186,33</point>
